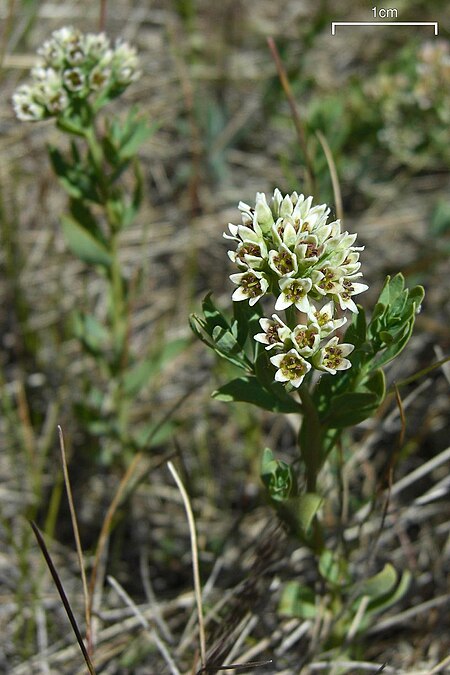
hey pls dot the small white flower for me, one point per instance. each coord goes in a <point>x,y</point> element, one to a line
<point>309,250</point>
<point>25,107</point>
<point>96,45</point>
<point>324,319</point>
<point>125,64</point>
<point>252,286</point>
<point>249,254</point>
<point>327,280</point>
<point>306,339</point>
<point>350,288</point>
<point>275,332</point>
<point>283,261</point>
<point>57,102</point>
<point>284,232</point>
<point>99,78</point>
<point>331,358</point>
<point>74,79</point>
<point>291,367</point>
<point>294,292</point>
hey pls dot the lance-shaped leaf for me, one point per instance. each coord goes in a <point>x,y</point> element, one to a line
<point>142,373</point>
<point>353,407</point>
<point>83,244</point>
<point>249,390</point>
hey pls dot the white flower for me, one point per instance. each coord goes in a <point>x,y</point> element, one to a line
<point>99,78</point>
<point>249,254</point>
<point>252,286</point>
<point>326,280</point>
<point>96,45</point>
<point>324,319</point>
<point>275,332</point>
<point>309,250</point>
<point>294,292</point>
<point>306,339</point>
<point>25,107</point>
<point>291,367</point>
<point>331,358</point>
<point>125,64</point>
<point>283,262</point>
<point>350,288</point>
<point>74,79</point>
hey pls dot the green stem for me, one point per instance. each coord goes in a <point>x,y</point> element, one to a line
<point>310,439</point>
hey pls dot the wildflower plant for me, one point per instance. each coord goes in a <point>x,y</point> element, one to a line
<point>77,76</point>
<point>411,95</point>
<point>306,347</point>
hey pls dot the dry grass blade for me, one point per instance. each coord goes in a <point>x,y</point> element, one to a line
<point>63,596</point>
<point>333,174</point>
<point>106,525</point>
<point>76,534</point>
<point>195,567</point>
<point>144,623</point>
<point>294,111</point>
<point>236,666</point>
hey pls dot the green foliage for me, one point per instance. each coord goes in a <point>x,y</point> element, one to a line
<point>375,594</point>
<point>278,477</point>
<point>83,244</point>
<point>354,395</point>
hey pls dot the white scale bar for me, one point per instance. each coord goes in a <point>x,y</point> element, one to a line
<point>384,23</point>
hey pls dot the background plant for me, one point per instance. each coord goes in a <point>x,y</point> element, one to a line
<point>77,77</point>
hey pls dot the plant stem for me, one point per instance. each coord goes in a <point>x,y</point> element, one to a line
<point>310,439</point>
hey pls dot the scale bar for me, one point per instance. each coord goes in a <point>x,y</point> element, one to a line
<point>384,23</point>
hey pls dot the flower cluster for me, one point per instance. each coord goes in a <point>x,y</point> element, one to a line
<point>286,248</point>
<point>75,67</point>
<point>413,100</point>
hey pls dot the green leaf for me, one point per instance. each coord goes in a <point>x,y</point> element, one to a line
<point>380,584</point>
<point>277,476</point>
<point>132,208</point>
<point>83,215</point>
<point>213,316</point>
<point>83,244</point>
<point>381,603</point>
<point>248,390</point>
<point>440,221</point>
<point>356,333</point>
<point>139,134</point>
<point>351,408</point>
<point>91,333</point>
<point>247,320</point>
<point>225,341</point>
<point>333,568</point>
<point>143,372</point>
<point>298,600</point>
<point>307,506</point>
<point>73,125</point>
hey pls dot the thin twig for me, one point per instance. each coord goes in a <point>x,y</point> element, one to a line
<point>195,566</point>
<point>333,174</point>
<point>102,16</point>
<point>144,623</point>
<point>76,534</point>
<point>106,526</point>
<point>63,596</point>
<point>299,127</point>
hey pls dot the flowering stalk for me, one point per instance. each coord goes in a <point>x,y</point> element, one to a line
<point>77,76</point>
<point>298,275</point>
